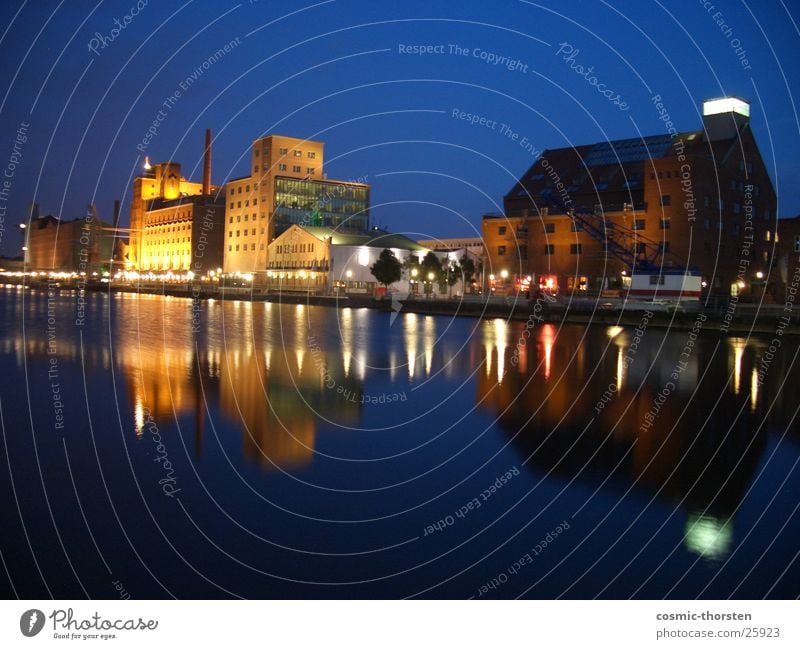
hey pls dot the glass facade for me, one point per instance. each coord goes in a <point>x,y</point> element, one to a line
<point>320,203</point>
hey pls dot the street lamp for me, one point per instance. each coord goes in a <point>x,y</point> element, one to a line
<point>504,274</point>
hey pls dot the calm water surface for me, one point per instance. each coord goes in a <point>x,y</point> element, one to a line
<point>296,451</point>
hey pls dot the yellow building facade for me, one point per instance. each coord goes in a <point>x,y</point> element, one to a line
<point>250,200</point>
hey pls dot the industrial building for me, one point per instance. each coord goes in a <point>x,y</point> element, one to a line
<point>176,225</point>
<point>313,259</point>
<point>286,186</point>
<point>81,245</point>
<point>584,218</point>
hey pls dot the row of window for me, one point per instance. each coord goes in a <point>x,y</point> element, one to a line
<point>638,224</point>
<point>297,153</point>
<point>175,227</point>
<point>295,247</point>
<point>246,203</point>
<point>246,217</point>
<point>577,249</point>
<point>162,242</point>
<point>244,247</point>
<point>300,263</point>
<point>665,174</point>
<point>295,169</point>
<point>252,232</point>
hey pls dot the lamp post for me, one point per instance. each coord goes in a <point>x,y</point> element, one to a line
<point>23,230</point>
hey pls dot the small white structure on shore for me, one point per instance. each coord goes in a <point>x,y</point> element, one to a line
<point>327,261</point>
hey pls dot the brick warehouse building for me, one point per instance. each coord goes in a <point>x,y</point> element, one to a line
<point>583,218</point>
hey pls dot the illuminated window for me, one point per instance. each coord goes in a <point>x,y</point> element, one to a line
<point>297,153</point>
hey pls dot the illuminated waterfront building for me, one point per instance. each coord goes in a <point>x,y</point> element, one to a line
<point>584,218</point>
<point>80,245</point>
<point>286,186</point>
<point>326,260</point>
<point>176,225</point>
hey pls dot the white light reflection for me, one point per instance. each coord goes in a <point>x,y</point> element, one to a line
<point>410,334</point>
<point>708,536</point>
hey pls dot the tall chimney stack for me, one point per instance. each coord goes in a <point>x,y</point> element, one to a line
<point>116,214</point>
<point>207,165</point>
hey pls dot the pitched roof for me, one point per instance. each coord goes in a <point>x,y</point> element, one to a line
<point>603,167</point>
<point>374,238</point>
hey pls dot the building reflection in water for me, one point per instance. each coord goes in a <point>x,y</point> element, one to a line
<point>704,441</point>
<point>263,374</point>
<point>278,372</point>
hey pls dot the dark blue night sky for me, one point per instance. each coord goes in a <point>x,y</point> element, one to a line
<point>335,71</point>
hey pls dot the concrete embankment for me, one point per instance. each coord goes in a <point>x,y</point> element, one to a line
<point>745,319</point>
